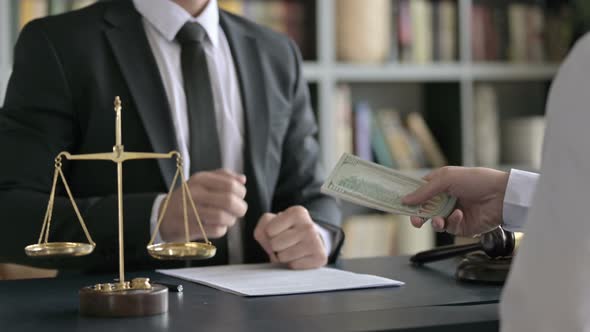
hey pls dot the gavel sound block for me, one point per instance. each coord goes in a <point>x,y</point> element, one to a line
<point>488,260</point>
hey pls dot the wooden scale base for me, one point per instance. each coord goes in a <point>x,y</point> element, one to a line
<point>126,303</point>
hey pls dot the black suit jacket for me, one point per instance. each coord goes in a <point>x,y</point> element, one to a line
<point>67,70</point>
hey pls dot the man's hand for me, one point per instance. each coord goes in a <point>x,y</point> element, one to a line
<point>291,237</point>
<point>480,199</point>
<point>219,197</point>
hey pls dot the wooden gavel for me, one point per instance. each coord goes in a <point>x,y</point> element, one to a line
<point>495,243</point>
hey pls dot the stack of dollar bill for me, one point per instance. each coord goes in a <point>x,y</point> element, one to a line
<point>375,186</point>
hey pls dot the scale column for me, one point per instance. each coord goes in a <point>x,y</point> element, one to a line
<point>118,149</point>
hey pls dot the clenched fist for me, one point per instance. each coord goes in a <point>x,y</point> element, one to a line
<point>219,197</point>
<point>291,237</point>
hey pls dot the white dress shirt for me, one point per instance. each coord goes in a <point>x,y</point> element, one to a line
<point>548,286</point>
<point>162,19</point>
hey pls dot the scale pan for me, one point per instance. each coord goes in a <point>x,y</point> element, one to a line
<point>59,249</point>
<point>182,250</point>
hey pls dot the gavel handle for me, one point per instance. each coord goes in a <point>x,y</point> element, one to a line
<point>444,252</point>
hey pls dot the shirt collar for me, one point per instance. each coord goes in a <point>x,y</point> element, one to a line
<point>168,17</point>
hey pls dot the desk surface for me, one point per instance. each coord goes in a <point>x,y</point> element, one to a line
<point>431,298</point>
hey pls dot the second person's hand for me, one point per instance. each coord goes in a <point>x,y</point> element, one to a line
<point>480,198</point>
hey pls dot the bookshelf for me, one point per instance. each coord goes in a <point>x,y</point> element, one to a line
<point>327,72</point>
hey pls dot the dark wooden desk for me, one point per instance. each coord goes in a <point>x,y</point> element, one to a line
<point>431,300</point>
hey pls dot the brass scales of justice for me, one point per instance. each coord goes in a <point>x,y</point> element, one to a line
<point>137,297</point>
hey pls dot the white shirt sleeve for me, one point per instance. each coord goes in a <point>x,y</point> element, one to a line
<point>519,195</point>
<point>326,237</point>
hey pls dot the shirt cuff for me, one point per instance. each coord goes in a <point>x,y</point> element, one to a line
<point>154,217</point>
<point>326,237</point>
<point>518,198</point>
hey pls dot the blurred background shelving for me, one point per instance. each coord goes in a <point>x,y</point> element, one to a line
<point>477,72</point>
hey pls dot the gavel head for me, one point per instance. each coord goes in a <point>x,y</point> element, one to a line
<point>500,242</point>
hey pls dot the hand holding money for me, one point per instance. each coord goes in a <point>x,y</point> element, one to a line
<point>375,186</point>
<point>480,198</point>
<point>462,201</point>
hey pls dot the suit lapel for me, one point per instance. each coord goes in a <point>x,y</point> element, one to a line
<point>138,66</point>
<point>246,57</point>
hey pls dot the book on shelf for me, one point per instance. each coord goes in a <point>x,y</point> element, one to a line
<point>427,30</point>
<point>535,19</point>
<point>486,125</point>
<point>501,31</point>
<point>286,16</point>
<point>404,32</point>
<point>518,25</point>
<point>380,144</point>
<point>418,128</point>
<point>297,20</point>
<point>362,130</point>
<point>363,30</point>
<point>391,142</point>
<point>478,40</point>
<point>421,18</point>
<point>416,150</point>
<point>393,32</point>
<point>343,121</point>
<point>385,136</point>
<point>397,137</point>
<point>519,31</point>
<point>412,31</point>
<point>444,31</point>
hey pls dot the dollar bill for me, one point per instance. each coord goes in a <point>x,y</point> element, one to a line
<point>375,186</point>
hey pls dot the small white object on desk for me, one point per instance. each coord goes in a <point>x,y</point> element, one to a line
<point>272,279</point>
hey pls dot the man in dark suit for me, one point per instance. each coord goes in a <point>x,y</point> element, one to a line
<point>258,172</point>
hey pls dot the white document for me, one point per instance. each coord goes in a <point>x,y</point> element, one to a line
<point>272,279</point>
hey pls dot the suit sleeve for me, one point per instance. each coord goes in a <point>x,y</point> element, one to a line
<point>301,175</point>
<point>37,121</point>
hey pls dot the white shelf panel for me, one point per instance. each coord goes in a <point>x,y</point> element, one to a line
<point>451,72</point>
<point>516,71</point>
<point>398,72</point>
<point>312,71</point>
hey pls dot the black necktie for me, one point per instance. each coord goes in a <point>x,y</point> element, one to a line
<point>204,149</point>
<point>204,141</point>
